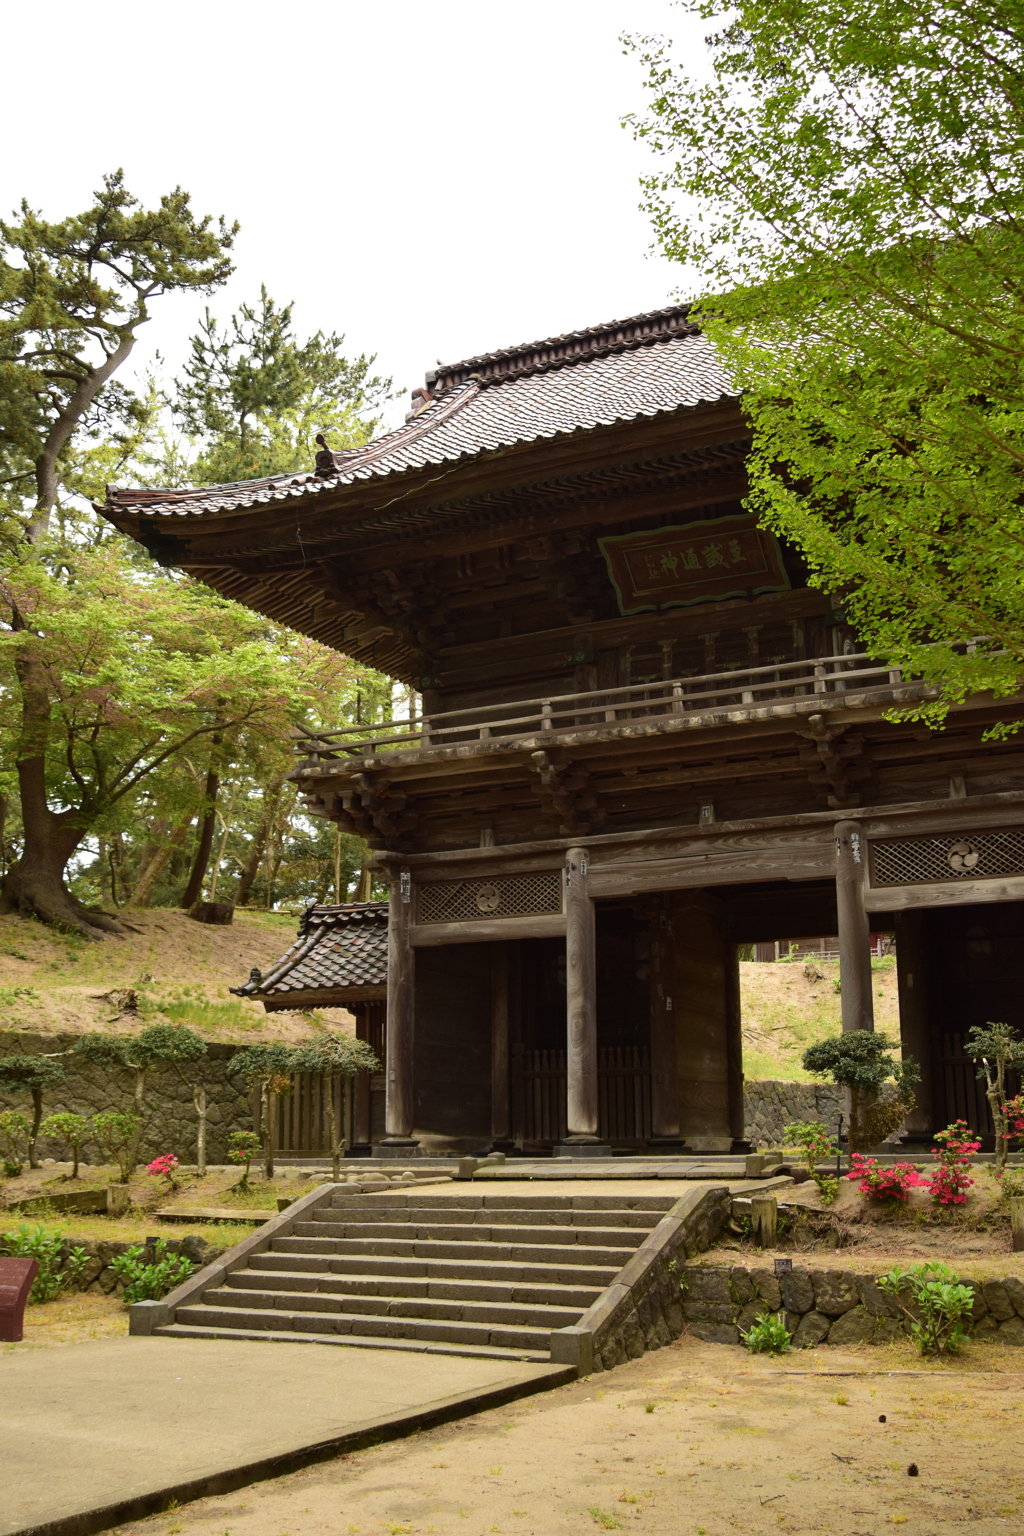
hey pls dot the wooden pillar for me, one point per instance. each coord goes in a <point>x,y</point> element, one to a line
<point>734,1043</point>
<point>915,1035</point>
<point>501,1123</point>
<point>581,1004</point>
<point>854,931</point>
<point>360,1142</point>
<point>702,951</point>
<point>664,1013</point>
<point>399,1087</point>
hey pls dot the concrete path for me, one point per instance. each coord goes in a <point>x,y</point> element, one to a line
<point>92,1434</point>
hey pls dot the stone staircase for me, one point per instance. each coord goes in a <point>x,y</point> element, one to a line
<point>466,1274</point>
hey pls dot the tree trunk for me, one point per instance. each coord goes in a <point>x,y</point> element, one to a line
<point>199,1100</point>
<point>35,886</point>
<point>267,1130</point>
<point>207,827</point>
<point>364,890</point>
<point>37,1115</point>
<point>251,868</point>
<point>154,868</point>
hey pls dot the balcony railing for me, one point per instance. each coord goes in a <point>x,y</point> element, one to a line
<point>603,711</point>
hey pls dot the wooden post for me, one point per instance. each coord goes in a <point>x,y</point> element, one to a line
<point>501,1127</point>
<point>854,931</point>
<point>1017,1223</point>
<point>764,1218</point>
<point>398,1103</point>
<point>581,1003</point>
<point>664,1014</point>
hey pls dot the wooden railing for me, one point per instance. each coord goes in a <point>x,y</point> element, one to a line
<point>603,710</point>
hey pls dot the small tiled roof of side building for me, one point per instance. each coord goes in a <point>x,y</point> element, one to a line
<point>627,369</point>
<point>338,949</point>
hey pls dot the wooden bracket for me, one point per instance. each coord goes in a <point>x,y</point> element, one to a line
<point>566,791</point>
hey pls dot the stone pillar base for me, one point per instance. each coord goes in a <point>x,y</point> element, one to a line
<point>589,1146</point>
<point>397,1146</point>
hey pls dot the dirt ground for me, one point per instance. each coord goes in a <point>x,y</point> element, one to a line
<point>695,1440</point>
<point>52,983</point>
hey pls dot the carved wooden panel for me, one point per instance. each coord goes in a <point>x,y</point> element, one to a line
<point>963,856</point>
<point>452,901</point>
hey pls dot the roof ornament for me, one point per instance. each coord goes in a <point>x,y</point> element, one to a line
<point>255,976</point>
<point>328,460</point>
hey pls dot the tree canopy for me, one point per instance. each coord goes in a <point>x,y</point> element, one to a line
<point>850,183</point>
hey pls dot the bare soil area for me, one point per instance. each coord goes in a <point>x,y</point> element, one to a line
<point>181,971</point>
<point>788,1005</point>
<point>695,1440</point>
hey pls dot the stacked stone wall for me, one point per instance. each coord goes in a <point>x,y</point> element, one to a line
<point>829,1306</point>
<point>169,1118</point>
<point>770,1105</point>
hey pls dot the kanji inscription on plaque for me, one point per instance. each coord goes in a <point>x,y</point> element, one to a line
<point>697,562</point>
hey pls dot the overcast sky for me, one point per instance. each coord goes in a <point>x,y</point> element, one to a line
<point>434,180</point>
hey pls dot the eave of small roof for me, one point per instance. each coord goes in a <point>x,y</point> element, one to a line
<point>336,947</point>
<point>646,366</point>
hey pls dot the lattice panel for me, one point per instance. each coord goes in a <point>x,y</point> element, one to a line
<point>970,856</point>
<point>458,901</point>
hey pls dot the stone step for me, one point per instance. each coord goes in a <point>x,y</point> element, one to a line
<point>435,1232</point>
<point>486,1216</point>
<point>305,1241</point>
<point>511,1314</point>
<point>307,1257</point>
<point>279,1320</point>
<point>508,1202</point>
<point>579,1297</point>
<point>357,1341</point>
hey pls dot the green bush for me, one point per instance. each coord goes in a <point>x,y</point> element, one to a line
<point>148,1276</point>
<point>14,1134</point>
<point>116,1133</point>
<point>46,1248</point>
<point>939,1305</point>
<point>768,1336</point>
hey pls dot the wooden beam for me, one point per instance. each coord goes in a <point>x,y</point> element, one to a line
<point>545,926</point>
<point>960,893</point>
<point>322,997</point>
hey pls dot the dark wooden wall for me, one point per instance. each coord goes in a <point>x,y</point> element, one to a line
<point>453,1040</point>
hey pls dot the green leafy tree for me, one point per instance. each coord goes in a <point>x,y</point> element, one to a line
<point>254,397</point>
<point>242,1148</point>
<point>335,1056</point>
<point>849,182</point>
<point>34,1075</point>
<point>160,1048</point>
<point>862,1061</point>
<point>68,1130</point>
<point>267,1068</point>
<point>118,1134</point>
<point>996,1047</point>
<point>175,1048</point>
<point>73,296</point>
<point>14,1134</point>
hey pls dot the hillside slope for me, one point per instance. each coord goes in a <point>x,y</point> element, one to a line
<point>180,970</point>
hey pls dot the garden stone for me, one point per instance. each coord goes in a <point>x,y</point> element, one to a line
<point>980,1308</point>
<point>1014,1288</point>
<point>799,1292</point>
<point>835,1291</point>
<point>986,1329</point>
<point>739,1284</point>
<point>853,1327</point>
<point>1012,1332</point>
<point>813,1329</point>
<point>716,1333</point>
<point>709,1312</point>
<point>766,1285</point>
<point>886,1330</point>
<point>749,1316</point>
<point>872,1296</point>
<point>999,1303</point>
<point>709,1285</point>
<point>90,1273</point>
<point>106,1280</point>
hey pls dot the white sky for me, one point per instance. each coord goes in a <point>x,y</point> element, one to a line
<point>434,180</point>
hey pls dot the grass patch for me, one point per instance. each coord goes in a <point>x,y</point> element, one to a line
<point>133,1228</point>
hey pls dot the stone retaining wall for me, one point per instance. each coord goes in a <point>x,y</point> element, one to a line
<point>829,1306</point>
<point>771,1104</point>
<point>641,1309</point>
<point>170,1119</point>
<point>98,1277</point>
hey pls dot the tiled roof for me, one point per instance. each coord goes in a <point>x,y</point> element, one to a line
<point>336,947</point>
<point>643,367</point>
